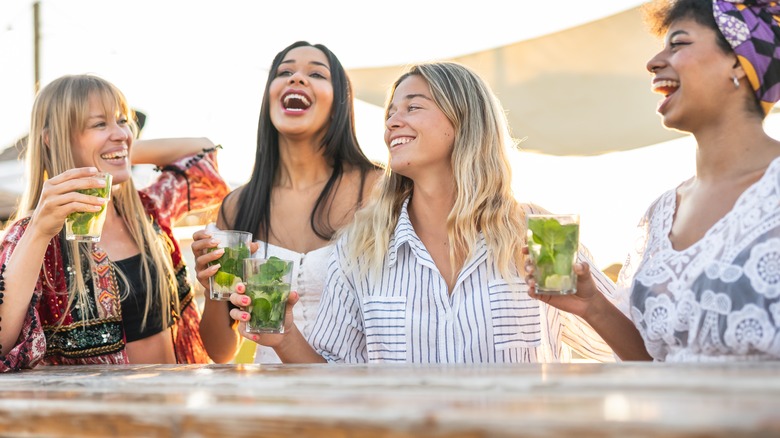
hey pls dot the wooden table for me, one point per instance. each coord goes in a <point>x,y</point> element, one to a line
<point>577,400</point>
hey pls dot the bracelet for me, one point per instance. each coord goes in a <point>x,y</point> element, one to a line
<point>212,149</point>
<point>189,163</point>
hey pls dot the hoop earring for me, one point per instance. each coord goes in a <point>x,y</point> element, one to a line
<point>736,81</point>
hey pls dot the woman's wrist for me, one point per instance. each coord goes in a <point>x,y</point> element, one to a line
<point>597,309</point>
<point>295,349</point>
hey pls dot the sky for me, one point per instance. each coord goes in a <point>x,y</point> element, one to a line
<point>197,68</point>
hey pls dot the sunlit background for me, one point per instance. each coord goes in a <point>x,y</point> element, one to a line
<point>570,73</point>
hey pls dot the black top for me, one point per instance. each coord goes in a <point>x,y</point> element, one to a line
<point>133,302</point>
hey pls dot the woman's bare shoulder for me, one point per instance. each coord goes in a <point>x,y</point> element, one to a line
<point>228,211</point>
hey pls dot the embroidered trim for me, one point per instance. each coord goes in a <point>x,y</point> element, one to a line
<point>105,285</point>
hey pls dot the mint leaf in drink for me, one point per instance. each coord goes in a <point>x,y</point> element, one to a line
<point>81,222</point>
<point>553,247</point>
<point>232,260</point>
<point>273,271</point>
<point>268,306</point>
<point>261,308</point>
<point>269,292</point>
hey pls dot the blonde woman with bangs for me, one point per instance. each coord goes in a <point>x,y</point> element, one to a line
<point>126,298</point>
<point>428,271</point>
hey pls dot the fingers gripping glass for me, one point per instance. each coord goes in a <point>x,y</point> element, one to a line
<point>231,269</point>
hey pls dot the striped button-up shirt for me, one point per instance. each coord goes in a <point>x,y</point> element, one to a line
<point>405,313</point>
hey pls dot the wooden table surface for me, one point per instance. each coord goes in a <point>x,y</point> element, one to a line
<point>578,400</point>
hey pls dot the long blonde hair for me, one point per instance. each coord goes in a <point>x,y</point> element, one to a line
<point>484,201</point>
<point>59,113</point>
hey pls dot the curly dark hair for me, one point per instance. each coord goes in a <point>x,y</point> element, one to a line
<point>660,14</point>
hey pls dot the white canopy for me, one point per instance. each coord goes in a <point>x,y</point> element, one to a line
<point>579,91</point>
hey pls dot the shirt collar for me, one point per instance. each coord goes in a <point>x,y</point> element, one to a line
<point>404,234</point>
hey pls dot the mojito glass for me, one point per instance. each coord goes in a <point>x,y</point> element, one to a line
<point>231,269</point>
<point>88,226</point>
<point>553,241</point>
<point>268,287</point>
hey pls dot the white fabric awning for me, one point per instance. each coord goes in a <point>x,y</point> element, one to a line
<point>580,91</point>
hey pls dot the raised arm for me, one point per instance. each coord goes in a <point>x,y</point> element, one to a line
<point>189,183</point>
<point>161,152</point>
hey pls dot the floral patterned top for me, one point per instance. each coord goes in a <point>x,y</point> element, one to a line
<point>190,184</point>
<point>719,299</point>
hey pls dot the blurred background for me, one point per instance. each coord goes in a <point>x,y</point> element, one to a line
<point>570,74</point>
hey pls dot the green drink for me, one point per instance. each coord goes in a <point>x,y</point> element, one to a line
<point>553,242</point>
<point>268,286</point>
<point>231,269</point>
<point>88,226</point>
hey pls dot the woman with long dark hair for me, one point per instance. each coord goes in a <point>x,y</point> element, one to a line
<point>310,177</point>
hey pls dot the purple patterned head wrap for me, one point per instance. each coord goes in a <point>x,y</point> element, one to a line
<point>751,27</point>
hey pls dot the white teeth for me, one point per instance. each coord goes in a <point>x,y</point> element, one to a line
<point>114,155</point>
<point>302,98</point>
<point>665,83</point>
<point>400,140</point>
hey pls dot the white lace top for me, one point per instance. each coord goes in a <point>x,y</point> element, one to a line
<point>309,272</point>
<point>719,299</point>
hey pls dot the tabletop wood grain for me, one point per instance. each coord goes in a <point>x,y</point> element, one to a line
<point>552,400</point>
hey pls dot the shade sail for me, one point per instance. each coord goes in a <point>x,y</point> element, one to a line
<point>581,91</point>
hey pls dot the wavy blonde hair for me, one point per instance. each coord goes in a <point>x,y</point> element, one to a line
<point>59,113</point>
<point>484,202</point>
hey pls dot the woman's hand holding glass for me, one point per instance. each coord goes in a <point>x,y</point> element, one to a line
<point>583,303</point>
<point>202,245</point>
<point>60,197</point>
<point>240,299</point>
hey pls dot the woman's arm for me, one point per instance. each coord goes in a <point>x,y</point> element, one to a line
<point>591,305</point>
<point>23,259</point>
<point>613,326</point>
<point>188,184</point>
<point>218,331</point>
<point>167,150</point>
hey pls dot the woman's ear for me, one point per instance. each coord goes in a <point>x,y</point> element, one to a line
<point>45,136</point>
<point>737,70</point>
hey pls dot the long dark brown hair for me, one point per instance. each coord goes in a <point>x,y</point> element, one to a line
<point>340,146</point>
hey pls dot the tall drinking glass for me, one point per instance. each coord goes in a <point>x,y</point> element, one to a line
<point>231,269</point>
<point>553,242</point>
<point>88,226</point>
<point>268,286</point>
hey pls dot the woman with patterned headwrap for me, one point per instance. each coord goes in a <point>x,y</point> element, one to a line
<point>703,280</point>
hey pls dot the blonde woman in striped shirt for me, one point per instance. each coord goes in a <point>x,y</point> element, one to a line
<point>428,272</point>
